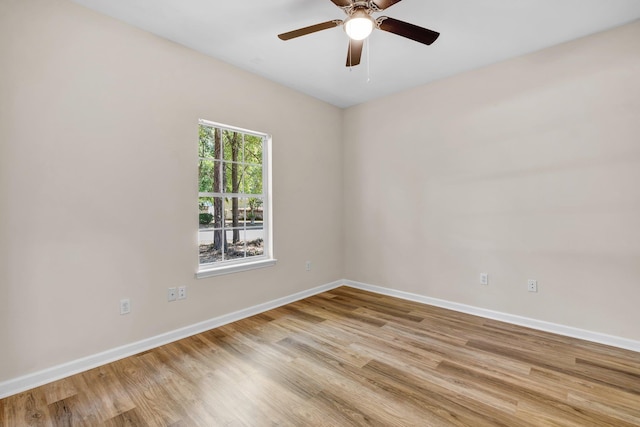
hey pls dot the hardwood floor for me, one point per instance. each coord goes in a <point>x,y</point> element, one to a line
<point>349,357</point>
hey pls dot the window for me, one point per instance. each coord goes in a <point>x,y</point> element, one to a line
<point>234,221</point>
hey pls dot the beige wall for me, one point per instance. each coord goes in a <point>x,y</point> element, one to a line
<point>98,174</point>
<point>526,169</point>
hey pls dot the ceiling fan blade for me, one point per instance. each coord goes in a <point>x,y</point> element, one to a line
<point>354,53</point>
<point>310,29</point>
<point>383,4</point>
<point>410,31</point>
<point>343,3</point>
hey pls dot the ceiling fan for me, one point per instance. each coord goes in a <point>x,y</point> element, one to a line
<point>359,24</point>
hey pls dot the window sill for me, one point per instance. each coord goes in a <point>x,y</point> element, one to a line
<point>235,268</point>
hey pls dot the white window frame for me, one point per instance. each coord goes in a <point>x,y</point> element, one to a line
<point>259,261</point>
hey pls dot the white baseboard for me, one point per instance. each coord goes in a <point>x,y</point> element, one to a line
<point>541,325</point>
<point>29,381</point>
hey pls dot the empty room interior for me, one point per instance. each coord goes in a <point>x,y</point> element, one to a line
<point>202,223</point>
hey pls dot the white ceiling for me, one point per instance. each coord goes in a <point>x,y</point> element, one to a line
<point>473,34</point>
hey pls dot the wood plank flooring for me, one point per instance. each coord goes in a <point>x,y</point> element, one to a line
<point>348,358</point>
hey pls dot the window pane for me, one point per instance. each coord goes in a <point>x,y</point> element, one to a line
<point>205,235</point>
<point>217,177</point>
<point>232,146</point>
<point>254,211</point>
<point>255,242</point>
<point>209,231</point>
<point>233,173</point>
<point>252,149</point>
<point>207,175</point>
<point>208,254</point>
<point>205,206</point>
<point>227,212</point>
<point>252,182</point>
<point>242,211</point>
<point>227,177</point>
<point>235,244</point>
<point>244,243</point>
<point>234,212</point>
<point>207,146</point>
<point>217,211</point>
<point>227,136</point>
<point>240,244</point>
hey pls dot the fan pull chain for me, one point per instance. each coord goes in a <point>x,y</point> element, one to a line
<point>368,61</point>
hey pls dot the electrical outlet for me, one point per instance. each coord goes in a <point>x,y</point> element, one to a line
<point>484,278</point>
<point>125,306</point>
<point>532,285</point>
<point>182,292</point>
<point>172,294</point>
<point>308,265</point>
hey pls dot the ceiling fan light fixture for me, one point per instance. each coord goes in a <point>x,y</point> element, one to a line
<point>359,25</point>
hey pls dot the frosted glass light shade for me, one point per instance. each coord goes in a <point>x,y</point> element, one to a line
<point>359,25</point>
